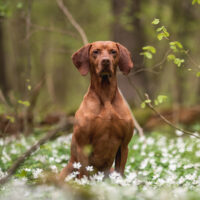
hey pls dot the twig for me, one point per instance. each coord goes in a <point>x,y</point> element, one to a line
<point>148,103</point>
<point>63,126</point>
<point>37,28</point>
<point>152,70</point>
<point>72,21</point>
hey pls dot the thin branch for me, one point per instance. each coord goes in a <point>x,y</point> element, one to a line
<point>148,103</point>
<point>72,21</point>
<point>37,28</point>
<point>152,70</point>
<point>146,97</point>
<point>63,126</point>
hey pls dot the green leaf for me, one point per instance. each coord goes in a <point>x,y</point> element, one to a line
<point>198,74</point>
<point>171,57</point>
<point>29,87</point>
<point>160,29</point>
<point>147,54</point>
<point>150,48</point>
<point>143,105</point>
<point>25,103</point>
<point>195,2</point>
<point>10,118</point>
<point>161,98</point>
<point>175,46</point>
<point>155,21</point>
<point>178,61</point>
<point>160,36</point>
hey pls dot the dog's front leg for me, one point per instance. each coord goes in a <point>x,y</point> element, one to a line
<point>83,159</point>
<point>121,158</point>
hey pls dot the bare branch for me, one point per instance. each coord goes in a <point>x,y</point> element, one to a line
<point>166,120</point>
<point>146,97</point>
<point>72,21</point>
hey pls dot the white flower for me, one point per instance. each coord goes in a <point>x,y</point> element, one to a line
<point>89,168</point>
<point>82,181</point>
<point>197,153</point>
<point>151,154</point>
<point>36,172</point>
<point>71,176</point>
<point>135,147</point>
<point>150,141</point>
<point>77,165</point>
<point>188,166</point>
<point>144,163</point>
<point>179,133</point>
<point>54,168</point>
<point>98,177</point>
<point>181,180</point>
<point>172,167</point>
<point>131,176</point>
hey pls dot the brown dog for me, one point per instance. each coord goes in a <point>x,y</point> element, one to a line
<point>104,124</point>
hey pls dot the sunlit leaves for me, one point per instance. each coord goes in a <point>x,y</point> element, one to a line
<point>155,21</point>
<point>29,87</point>
<point>143,104</point>
<point>163,33</point>
<point>198,74</point>
<point>160,99</point>
<point>148,51</point>
<point>25,103</point>
<point>176,61</point>
<point>196,2</point>
<point>175,46</point>
<point>10,118</point>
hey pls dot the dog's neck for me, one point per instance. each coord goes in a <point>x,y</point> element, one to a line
<point>104,87</point>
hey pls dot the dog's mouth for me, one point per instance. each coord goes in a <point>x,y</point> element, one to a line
<point>105,74</point>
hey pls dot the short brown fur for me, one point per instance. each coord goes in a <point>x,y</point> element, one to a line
<point>103,121</point>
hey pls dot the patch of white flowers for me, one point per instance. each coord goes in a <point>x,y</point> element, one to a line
<point>157,168</point>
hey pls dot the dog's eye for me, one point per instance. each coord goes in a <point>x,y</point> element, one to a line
<point>96,51</point>
<point>112,51</point>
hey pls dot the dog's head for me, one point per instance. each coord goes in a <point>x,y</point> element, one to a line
<point>102,58</point>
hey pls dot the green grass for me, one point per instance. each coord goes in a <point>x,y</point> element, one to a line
<point>158,167</point>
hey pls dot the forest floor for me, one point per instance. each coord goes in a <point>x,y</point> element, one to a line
<point>158,167</point>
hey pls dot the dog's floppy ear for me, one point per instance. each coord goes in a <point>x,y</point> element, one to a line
<point>81,59</point>
<point>125,62</point>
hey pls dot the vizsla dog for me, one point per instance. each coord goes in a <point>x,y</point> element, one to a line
<point>103,123</point>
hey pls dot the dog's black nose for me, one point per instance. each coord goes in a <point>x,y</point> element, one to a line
<point>105,62</point>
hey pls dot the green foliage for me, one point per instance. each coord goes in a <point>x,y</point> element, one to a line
<point>176,61</point>
<point>143,104</point>
<point>198,74</point>
<point>25,103</point>
<point>10,118</point>
<point>195,2</point>
<point>162,33</point>
<point>160,99</point>
<point>154,163</point>
<point>155,21</point>
<point>176,46</point>
<point>148,51</point>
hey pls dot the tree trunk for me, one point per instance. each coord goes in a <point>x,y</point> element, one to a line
<point>133,38</point>
<point>3,82</point>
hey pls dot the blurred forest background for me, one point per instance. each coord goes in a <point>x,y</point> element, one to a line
<point>37,41</point>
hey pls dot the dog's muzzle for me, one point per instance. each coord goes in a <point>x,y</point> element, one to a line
<point>105,72</point>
